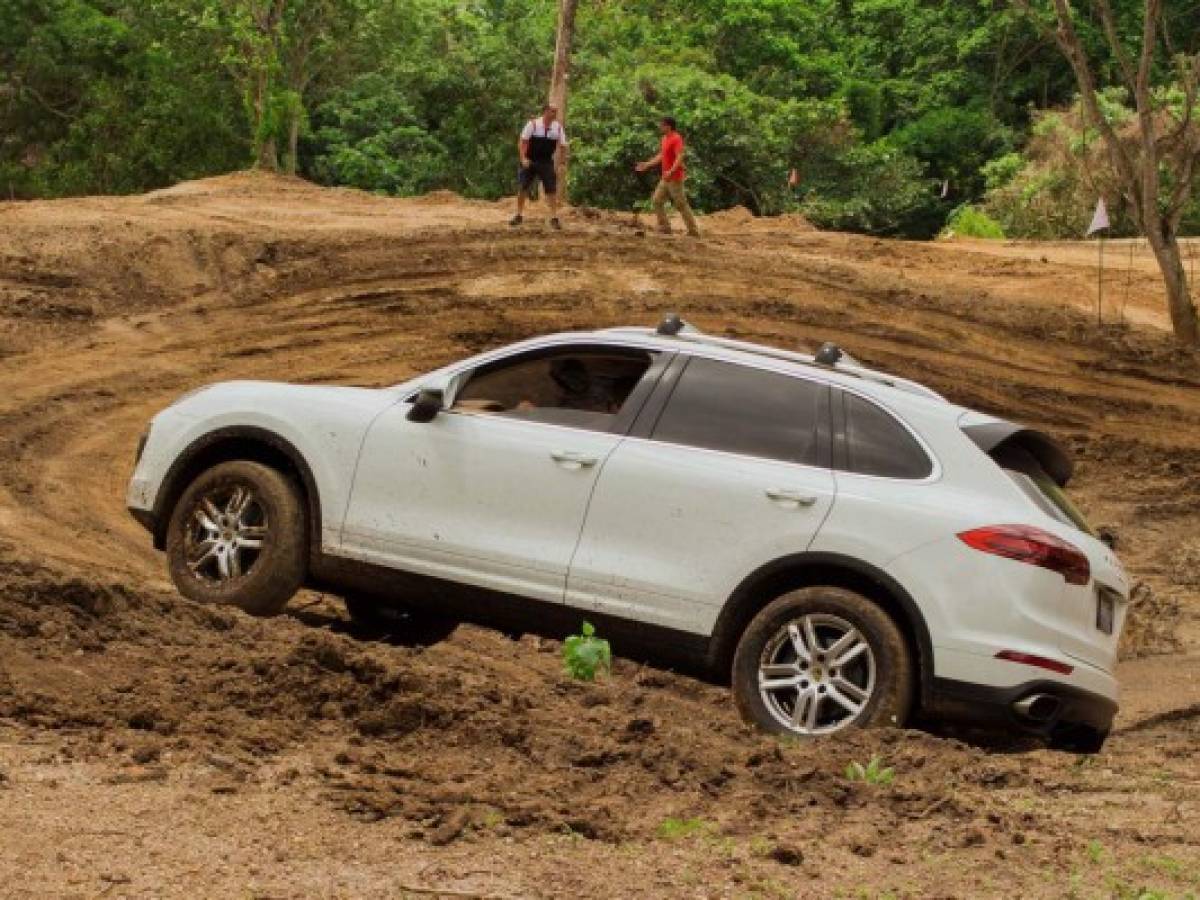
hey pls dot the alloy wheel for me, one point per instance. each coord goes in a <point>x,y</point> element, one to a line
<point>225,533</point>
<point>816,674</point>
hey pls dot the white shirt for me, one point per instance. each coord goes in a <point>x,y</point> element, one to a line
<point>537,128</point>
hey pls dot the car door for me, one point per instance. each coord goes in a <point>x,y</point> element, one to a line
<point>730,473</point>
<point>493,490</point>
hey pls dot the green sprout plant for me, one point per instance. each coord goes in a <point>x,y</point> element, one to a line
<point>874,772</point>
<point>585,655</point>
<point>673,828</point>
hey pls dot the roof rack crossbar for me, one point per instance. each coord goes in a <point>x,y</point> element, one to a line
<point>846,364</point>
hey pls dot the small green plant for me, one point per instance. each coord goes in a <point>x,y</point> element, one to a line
<point>584,654</point>
<point>971,221</point>
<point>1095,851</point>
<point>673,829</point>
<point>874,772</point>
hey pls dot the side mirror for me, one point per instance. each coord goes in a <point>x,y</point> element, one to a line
<point>430,401</point>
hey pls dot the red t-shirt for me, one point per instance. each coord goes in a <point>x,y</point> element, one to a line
<point>672,149</point>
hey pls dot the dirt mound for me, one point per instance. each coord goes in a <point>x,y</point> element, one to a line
<point>407,728</point>
<point>123,704</point>
<point>740,219</point>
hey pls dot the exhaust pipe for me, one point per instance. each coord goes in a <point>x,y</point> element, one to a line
<point>1040,708</point>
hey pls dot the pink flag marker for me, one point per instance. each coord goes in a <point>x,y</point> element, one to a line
<point>1099,219</point>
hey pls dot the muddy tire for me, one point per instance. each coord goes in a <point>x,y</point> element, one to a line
<point>239,536</point>
<point>821,659</point>
<point>377,618</point>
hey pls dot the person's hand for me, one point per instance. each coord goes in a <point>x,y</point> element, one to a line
<point>525,164</point>
<point>641,167</point>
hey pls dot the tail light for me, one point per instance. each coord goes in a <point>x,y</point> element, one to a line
<point>1027,544</point>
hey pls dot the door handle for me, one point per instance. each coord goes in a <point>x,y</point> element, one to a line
<point>573,459</point>
<point>782,495</point>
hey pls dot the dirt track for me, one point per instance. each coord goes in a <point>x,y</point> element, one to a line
<point>150,747</point>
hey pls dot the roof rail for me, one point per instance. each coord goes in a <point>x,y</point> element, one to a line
<point>830,356</point>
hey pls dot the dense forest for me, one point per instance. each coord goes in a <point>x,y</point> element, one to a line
<point>901,117</point>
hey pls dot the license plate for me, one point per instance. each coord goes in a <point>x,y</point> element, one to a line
<point>1106,609</point>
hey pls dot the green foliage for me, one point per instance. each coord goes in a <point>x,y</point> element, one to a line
<point>96,99</point>
<point>873,188</point>
<point>874,772</point>
<point>727,162</point>
<point>585,655</point>
<point>954,144</point>
<point>876,103</point>
<point>1050,189</point>
<point>971,221</point>
<point>369,137</point>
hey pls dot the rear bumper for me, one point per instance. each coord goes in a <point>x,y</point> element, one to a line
<point>977,704</point>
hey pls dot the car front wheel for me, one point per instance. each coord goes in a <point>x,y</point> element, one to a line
<point>819,660</point>
<point>238,536</point>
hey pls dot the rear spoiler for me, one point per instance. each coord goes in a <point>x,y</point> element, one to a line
<point>992,437</point>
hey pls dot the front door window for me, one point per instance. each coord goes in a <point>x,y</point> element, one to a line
<point>576,387</point>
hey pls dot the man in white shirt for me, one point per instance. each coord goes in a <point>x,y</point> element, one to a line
<point>540,139</point>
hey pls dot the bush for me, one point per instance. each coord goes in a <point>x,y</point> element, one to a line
<point>873,188</point>
<point>971,221</point>
<point>1050,190</point>
<point>368,137</point>
<point>740,144</point>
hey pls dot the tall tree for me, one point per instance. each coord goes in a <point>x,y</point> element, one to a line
<point>1156,165</point>
<point>561,73</point>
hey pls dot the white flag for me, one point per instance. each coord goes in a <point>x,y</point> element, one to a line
<point>1099,218</point>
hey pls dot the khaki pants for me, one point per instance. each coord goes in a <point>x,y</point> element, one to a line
<point>673,191</point>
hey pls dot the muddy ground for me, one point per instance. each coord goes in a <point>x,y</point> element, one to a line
<point>151,747</point>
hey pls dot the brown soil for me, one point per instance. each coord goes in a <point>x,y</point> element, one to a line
<point>152,747</point>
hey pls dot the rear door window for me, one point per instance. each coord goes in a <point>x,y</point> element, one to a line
<point>752,412</point>
<point>877,444</point>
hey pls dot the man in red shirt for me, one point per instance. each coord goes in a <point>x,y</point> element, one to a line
<point>670,186</point>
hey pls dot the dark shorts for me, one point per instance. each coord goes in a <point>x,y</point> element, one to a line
<point>538,171</point>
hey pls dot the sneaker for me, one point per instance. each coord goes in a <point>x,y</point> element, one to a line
<point>555,224</point>
<point>515,221</point>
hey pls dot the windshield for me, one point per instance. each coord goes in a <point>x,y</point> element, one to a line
<point>1027,473</point>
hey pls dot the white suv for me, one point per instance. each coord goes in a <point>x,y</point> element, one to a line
<point>846,546</point>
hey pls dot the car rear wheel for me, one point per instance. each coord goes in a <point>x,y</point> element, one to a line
<point>377,617</point>
<point>238,536</point>
<point>1079,739</point>
<point>819,660</point>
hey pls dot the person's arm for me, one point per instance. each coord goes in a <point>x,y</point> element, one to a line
<point>650,163</point>
<point>523,145</point>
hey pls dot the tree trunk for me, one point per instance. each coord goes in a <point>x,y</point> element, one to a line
<point>1184,321</point>
<point>293,143</point>
<point>558,81</point>
<point>266,156</point>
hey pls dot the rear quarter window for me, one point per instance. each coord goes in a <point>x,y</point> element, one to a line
<point>876,443</point>
<point>1027,473</point>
